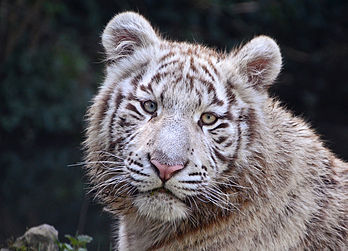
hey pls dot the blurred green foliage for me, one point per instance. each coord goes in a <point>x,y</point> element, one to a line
<point>50,67</point>
<point>76,243</point>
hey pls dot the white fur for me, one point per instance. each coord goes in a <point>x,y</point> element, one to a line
<point>275,161</point>
<point>125,33</point>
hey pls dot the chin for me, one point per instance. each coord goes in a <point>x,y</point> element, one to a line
<point>158,205</point>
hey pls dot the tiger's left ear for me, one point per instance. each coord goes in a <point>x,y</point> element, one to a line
<point>126,33</point>
<point>259,62</point>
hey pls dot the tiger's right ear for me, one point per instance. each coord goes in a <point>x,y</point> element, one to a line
<point>126,33</point>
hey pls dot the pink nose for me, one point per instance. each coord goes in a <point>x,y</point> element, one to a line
<point>166,171</point>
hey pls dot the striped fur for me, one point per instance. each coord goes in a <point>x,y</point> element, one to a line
<point>256,179</point>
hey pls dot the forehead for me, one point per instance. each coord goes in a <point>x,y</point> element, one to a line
<point>184,75</point>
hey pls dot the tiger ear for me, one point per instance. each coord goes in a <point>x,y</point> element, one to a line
<point>126,33</point>
<point>259,62</point>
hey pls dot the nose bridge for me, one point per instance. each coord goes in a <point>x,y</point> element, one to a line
<point>172,142</point>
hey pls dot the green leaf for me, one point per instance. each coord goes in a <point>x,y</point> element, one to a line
<point>66,247</point>
<point>73,241</point>
<point>84,238</point>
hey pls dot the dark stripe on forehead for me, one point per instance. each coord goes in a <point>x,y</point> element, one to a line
<point>190,79</point>
<point>145,89</point>
<point>212,90</point>
<point>132,97</point>
<point>168,55</point>
<point>155,78</point>
<point>217,101</point>
<point>178,79</point>
<point>200,97</point>
<point>205,69</point>
<point>231,97</point>
<point>149,87</point>
<point>192,65</point>
<point>213,67</point>
<point>208,84</point>
<point>158,76</point>
<point>166,64</point>
<point>140,71</point>
<point>135,81</point>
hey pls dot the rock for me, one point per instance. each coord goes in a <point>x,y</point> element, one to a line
<point>43,237</point>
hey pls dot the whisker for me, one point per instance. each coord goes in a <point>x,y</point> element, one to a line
<point>215,202</point>
<point>230,184</point>
<point>95,162</point>
<point>109,154</point>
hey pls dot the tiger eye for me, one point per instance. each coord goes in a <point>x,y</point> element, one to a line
<point>150,106</point>
<point>208,118</point>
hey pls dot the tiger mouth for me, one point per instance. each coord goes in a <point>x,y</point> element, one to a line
<point>163,190</point>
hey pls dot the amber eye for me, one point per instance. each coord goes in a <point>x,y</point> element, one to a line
<point>208,118</point>
<point>149,106</point>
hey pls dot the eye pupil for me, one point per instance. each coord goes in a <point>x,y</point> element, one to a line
<point>149,106</point>
<point>208,119</point>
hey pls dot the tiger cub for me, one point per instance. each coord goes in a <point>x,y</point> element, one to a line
<point>187,149</point>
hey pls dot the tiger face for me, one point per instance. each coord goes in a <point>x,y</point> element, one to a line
<point>172,120</point>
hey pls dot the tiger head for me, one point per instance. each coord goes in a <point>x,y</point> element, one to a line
<point>173,121</point>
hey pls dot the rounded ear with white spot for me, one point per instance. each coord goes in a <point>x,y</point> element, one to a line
<point>259,62</point>
<point>126,33</point>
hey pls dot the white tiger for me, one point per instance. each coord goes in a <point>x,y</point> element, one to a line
<point>187,149</point>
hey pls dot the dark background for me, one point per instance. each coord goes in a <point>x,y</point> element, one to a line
<point>50,67</point>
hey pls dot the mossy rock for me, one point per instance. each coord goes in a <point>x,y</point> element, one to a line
<point>43,237</point>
